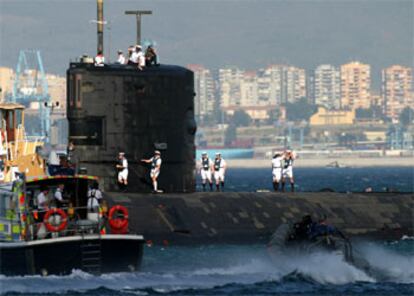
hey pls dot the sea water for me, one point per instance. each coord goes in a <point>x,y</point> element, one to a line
<point>248,269</point>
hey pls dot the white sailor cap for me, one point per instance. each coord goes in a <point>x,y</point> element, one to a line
<point>157,152</point>
<point>138,46</point>
<point>218,153</point>
<point>122,153</point>
<point>204,153</point>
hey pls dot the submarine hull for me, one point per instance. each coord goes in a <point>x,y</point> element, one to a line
<point>230,217</point>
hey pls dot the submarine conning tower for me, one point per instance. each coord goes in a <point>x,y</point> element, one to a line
<point>116,108</point>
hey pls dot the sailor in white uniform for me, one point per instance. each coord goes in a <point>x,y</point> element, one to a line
<point>122,167</point>
<point>219,171</point>
<point>121,58</point>
<point>155,169</point>
<point>205,171</point>
<point>277,163</point>
<point>287,171</point>
<point>99,59</point>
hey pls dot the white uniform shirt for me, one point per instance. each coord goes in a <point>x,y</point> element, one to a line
<point>277,162</point>
<point>41,199</point>
<point>95,193</point>
<point>93,204</point>
<point>99,60</point>
<point>58,195</point>
<point>53,158</point>
<point>209,162</point>
<point>157,162</point>
<point>135,57</point>
<point>121,59</point>
<point>125,165</point>
<point>222,164</point>
<point>141,60</point>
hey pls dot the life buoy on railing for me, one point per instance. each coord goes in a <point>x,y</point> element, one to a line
<point>118,224</point>
<point>63,217</point>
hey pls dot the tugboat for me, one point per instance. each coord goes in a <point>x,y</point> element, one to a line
<point>49,236</point>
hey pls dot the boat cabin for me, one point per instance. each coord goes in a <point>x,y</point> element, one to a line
<point>18,153</point>
<point>11,120</point>
<point>21,216</point>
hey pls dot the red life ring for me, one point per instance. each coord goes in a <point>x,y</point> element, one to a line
<point>118,223</point>
<point>63,223</point>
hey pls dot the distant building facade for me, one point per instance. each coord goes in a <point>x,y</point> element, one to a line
<point>332,117</point>
<point>397,90</point>
<point>249,89</point>
<point>327,86</point>
<point>204,86</point>
<point>293,84</point>
<point>230,80</point>
<point>355,85</point>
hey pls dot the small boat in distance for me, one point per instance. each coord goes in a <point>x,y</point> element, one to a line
<point>335,164</point>
<point>59,239</point>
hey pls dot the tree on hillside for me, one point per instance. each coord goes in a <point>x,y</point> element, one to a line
<point>374,112</point>
<point>300,110</point>
<point>241,118</point>
<point>406,116</point>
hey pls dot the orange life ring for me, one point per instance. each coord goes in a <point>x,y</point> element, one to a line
<point>62,224</point>
<point>117,223</point>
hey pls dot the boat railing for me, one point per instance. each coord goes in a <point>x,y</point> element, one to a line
<point>75,221</point>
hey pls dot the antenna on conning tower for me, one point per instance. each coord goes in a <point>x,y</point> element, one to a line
<point>138,14</point>
<point>100,25</point>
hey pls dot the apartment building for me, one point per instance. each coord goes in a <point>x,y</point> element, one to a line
<point>355,85</point>
<point>327,86</point>
<point>397,90</point>
<point>204,87</point>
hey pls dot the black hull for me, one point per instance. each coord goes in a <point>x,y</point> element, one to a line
<point>91,253</point>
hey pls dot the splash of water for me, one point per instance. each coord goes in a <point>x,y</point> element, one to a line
<point>389,265</point>
<point>223,266</point>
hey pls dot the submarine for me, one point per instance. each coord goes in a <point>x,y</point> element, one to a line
<point>113,108</point>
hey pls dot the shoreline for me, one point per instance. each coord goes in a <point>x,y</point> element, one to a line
<point>323,162</point>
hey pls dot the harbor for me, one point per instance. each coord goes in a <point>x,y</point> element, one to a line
<point>153,176</point>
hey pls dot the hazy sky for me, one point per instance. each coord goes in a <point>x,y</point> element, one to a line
<point>249,34</point>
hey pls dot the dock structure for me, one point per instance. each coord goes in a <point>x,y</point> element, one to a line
<point>237,217</point>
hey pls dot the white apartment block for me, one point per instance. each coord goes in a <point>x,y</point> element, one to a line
<point>204,87</point>
<point>249,89</point>
<point>230,80</point>
<point>327,86</point>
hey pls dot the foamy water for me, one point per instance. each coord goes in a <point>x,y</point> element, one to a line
<point>195,271</point>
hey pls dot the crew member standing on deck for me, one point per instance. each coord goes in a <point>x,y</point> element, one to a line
<point>219,171</point>
<point>99,59</point>
<point>122,167</point>
<point>287,171</point>
<point>155,169</point>
<point>121,58</point>
<point>277,163</point>
<point>58,196</point>
<point>205,171</point>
